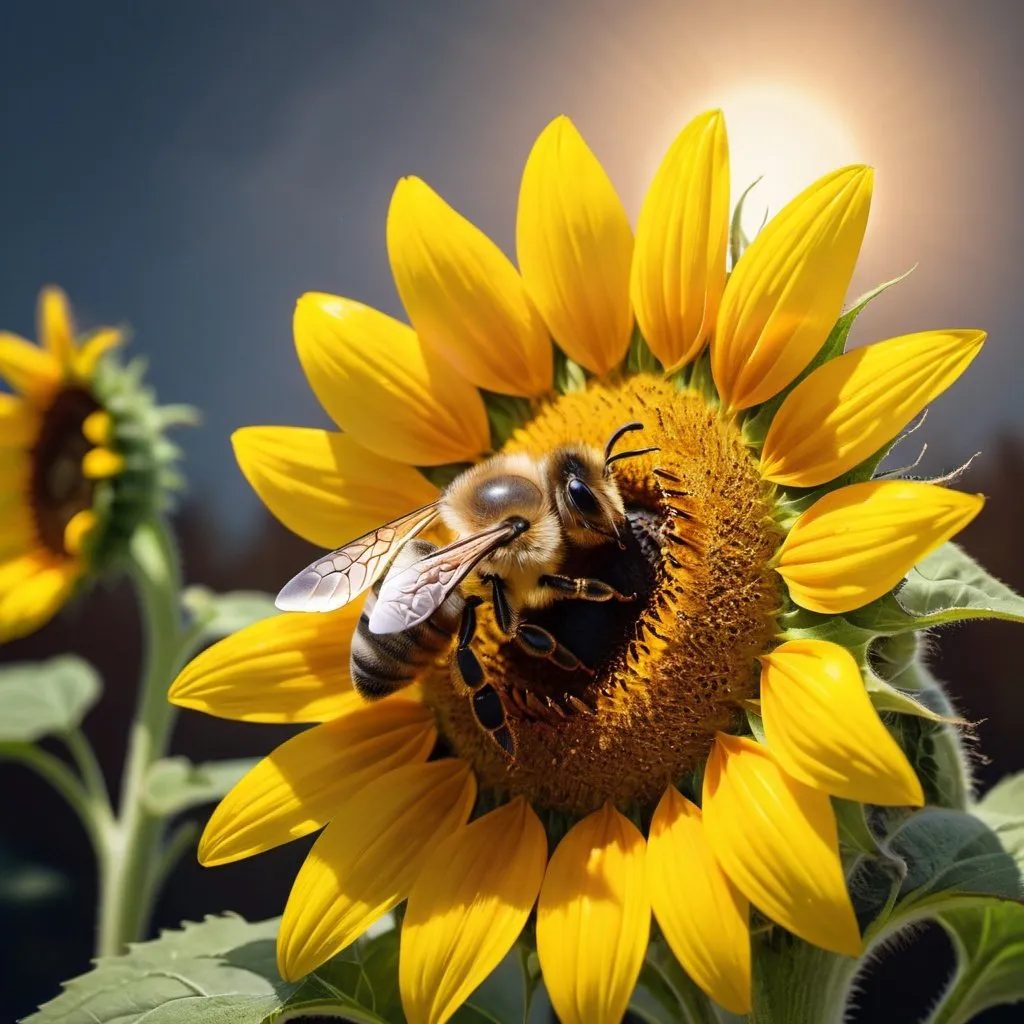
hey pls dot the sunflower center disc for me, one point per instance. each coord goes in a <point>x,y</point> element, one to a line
<point>59,487</point>
<point>670,668</point>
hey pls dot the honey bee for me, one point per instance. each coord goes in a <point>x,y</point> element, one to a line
<point>515,517</point>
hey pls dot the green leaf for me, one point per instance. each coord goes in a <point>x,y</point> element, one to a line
<point>220,615</point>
<point>755,428</point>
<point>639,359</point>
<point>947,586</point>
<point>46,698</point>
<point>174,784</point>
<point>944,859</point>
<point>506,414</point>
<point>1002,809</point>
<point>989,945</point>
<point>570,377</point>
<point>224,971</point>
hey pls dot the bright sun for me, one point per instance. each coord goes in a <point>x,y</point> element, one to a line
<point>785,135</point>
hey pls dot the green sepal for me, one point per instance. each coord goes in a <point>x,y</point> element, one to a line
<point>665,993</point>
<point>738,240</point>
<point>639,357</point>
<point>45,698</point>
<point>174,784</point>
<point>934,861</point>
<point>505,414</point>
<point>569,376</point>
<point>757,422</point>
<point>947,586</point>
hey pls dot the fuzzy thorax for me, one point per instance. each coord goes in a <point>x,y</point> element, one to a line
<point>670,668</point>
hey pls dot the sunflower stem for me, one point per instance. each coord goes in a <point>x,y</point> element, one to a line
<point>126,890</point>
<point>794,981</point>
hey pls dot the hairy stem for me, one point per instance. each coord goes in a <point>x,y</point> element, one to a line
<point>126,895</point>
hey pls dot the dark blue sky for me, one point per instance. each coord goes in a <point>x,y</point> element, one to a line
<point>191,168</point>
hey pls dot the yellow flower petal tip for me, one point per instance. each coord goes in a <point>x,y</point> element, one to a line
<point>353,875</point>
<point>325,486</point>
<point>286,669</point>
<point>778,842</point>
<point>56,329</point>
<point>785,294</point>
<point>463,295</point>
<point>392,394</point>
<point>468,908</point>
<point>849,408</point>
<point>593,919</point>
<point>856,543</point>
<point>575,246</point>
<point>823,730</point>
<point>704,917</point>
<point>98,427</point>
<point>101,463</point>
<point>297,788</point>
<point>76,533</point>
<point>678,272</point>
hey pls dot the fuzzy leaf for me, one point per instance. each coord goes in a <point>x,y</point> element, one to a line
<point>1002,809</point>
<point>220,615</point>
<point>46,698</point>
<point>989,945</point>
<point>756,426</point>
<point>174,784</point>
<point>947,586</point>
<point>935,861</point>
<point>223,971</point>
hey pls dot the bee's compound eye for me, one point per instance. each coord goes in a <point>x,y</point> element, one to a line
<point>582,497</point>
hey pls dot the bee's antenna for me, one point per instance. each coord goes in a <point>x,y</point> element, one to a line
<point>613,440</point>
<point>629,455</point>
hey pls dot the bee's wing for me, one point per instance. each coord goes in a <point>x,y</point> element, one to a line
<point>341,576</point>
<point>411,595</point>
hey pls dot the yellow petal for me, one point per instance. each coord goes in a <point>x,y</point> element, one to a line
<point>98,427</point>
<point>76,533</point>
<point>574,245</point>
<point>848,408</point>
<point>823,730</point>
<point>301,785</point>
<point>55,325</point>
<point>785,294</point>
<point>704,917</point>
<point>681,239</point>
<point>30,603</point>
<point>858,542</point>
<point>100,463</point>
<point>777,840</point>
<point>17,527</point>
<point>463,295</point>
<point>93,348</point>
<point>325,486</point>
<point>384,388</point>
<point>27,368</point>
<point>467,909</point>
<point>594,919</point>
<point>368,859</point>
<point>19,422</point>
<point>288,668</point>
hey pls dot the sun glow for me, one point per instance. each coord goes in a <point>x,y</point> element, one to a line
<point>785,137</point>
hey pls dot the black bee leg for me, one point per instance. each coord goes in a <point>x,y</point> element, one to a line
<point>583,588</point>
<point>503,614</point>
<point>539,643</point>
<point>487,706</point>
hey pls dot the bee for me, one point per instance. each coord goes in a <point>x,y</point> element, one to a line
<point>515,517</point>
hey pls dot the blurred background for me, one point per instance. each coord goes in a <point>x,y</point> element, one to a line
<point>191,168</point>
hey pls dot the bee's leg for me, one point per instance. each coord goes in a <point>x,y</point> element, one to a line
<point>504,617</point>
<point>539,643</point>
<point>487,706</point>
<point>583,588</point>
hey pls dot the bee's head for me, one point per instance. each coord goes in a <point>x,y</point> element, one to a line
<point>588,501</point>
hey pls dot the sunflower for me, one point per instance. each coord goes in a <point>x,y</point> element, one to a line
<point>80,458</point>
<point>691,776</point>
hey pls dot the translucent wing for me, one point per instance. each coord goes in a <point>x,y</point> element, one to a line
<point>411,595</point>
<point>341,576</point>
